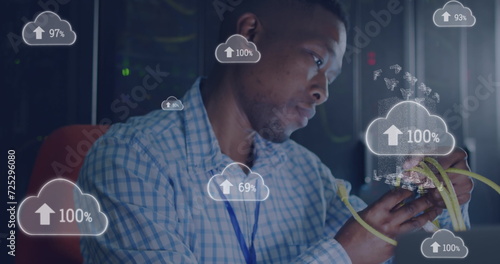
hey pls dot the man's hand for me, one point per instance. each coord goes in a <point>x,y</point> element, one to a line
<point>387,216</point>
<point>462,184</point>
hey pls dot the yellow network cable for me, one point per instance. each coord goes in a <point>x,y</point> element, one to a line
<point>425,170</point>
<point>476,176</point>
<point>448,193</point>
<point>446,190</point>
<point>451,192</point>
<point>342,193</point>
<point>448,200</point>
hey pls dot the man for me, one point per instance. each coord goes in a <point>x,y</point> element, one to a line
<point>150,174</point>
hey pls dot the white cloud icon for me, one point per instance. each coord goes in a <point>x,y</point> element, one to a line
<point>453,14</point>
<point>237,49</point>
<point>232,184</point>
<point>409,129</point>
<point>48,29</point>
<point>172,104</point>
<point>61,209</point>
<point>444,244</point>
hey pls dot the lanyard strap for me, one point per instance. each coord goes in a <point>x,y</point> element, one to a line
<point>248,253</point>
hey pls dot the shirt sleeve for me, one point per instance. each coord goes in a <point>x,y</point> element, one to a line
<point>137,198</point>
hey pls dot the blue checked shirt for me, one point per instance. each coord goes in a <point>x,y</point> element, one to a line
<point>150,177</point>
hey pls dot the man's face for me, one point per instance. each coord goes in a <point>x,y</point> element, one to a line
<point>301,53</point>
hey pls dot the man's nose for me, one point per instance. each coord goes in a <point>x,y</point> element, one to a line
<point>319,89</point>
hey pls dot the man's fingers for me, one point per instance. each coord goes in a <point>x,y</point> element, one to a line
<point>464,188</point>
<point>461,164</point>
<point>438,210</point>
<point>440,204</point>
<point>416,223</point>
<point>463,195</point>
<point>458,155</point>
<point>435,196</point>
<point>460,188</point>
<point>457,177</point>
<point>463,198</point>
<point>411,209</point>
<point>393,198</point>
<point>461,183</point>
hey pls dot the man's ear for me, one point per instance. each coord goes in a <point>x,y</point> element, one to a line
<point>249,26</point>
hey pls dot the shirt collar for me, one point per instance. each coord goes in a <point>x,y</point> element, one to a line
<point>203,150</point>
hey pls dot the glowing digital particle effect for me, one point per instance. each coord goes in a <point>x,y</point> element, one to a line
<point>391,83</point>
<point>376,74</point>
<point>407,93</point>
<point>423,88</point>
<point>410,79</point>
<point>396,68</point>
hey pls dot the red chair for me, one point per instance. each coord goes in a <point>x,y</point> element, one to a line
<point>61,156</point>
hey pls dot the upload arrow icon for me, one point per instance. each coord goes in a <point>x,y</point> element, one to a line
<point>38,31</point>
<point>392,135</point>
<point>446,16</point>
<point>435,247</point>
<point>229,52</point>
<point>226,187</point>
<point>44,212</point>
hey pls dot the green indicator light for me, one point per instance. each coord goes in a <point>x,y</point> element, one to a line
<point>17,61</point>
<point>126,72</point>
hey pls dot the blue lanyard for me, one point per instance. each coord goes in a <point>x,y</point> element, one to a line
<point>248,253</point>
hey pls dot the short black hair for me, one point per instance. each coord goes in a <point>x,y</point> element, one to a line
<point>334,6</point>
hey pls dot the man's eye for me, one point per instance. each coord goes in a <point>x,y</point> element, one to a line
<point>318,61</point>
